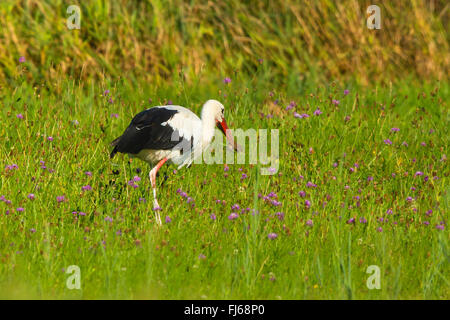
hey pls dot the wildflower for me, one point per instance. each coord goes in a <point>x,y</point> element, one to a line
<point>235,207</point>
<point>429,212</point>
<point>213,216</point>
<point>291,105</point>
<point>106,92</point>
<point>30,196</point>
<point>50,138</point>
<point>109,219</point>
<point>440,227</point>
<point>201,256</point>
<point>272,170</point>
<point>22,59</point>
<point>32,230</point>
<point>20,209</point>
<point>311,185</point>
<point>86,188</point>
<point>351,220</point>
<point>418,173</point>
<point>88,173</point>
<point>309,222</point>
<point>12,167</point>
<point>335,102</point>
<point>409,199</point>
<point>233,216</point>
<point>423,144</point>
<point>297,115</point>
<point>114,115</point>
<point>346,92</point>
<point>335,164</point>
<point>275,203</point>
<point>226,168</point>
<point>168,220</point>
<point>369,178</point>
<point>388,142</point>
<point>280,215</point>
<point>226,80</point>
<point>317,112</point>
<point>60,198</point>
<point>136,179</point>
<point>272,236</point>
<point>395,129</point>
<point>380,229</point>
<point>302,194</point>
<point>244,176</point>
<point>19,116</point>
<point>404,144</point>
<point>389,211</point>
<point>362,220</point>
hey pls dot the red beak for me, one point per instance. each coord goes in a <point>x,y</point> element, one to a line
<point>224,128</point>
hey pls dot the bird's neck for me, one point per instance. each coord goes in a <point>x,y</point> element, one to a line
<point>208,126</point>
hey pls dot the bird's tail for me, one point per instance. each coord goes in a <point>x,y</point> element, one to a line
<point>115,145</point>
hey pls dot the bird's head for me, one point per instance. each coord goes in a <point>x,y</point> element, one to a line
<point>215,109</point>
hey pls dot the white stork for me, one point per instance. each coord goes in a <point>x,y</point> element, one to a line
<point>171,133</point>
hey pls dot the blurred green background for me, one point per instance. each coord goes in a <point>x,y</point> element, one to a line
<point>154,41</point>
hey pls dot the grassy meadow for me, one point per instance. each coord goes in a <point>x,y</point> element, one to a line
<point>363,173</point>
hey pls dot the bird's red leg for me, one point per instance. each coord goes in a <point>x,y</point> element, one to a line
<point>152,176</point>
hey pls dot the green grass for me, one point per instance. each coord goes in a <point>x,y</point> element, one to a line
<point>327,260</point>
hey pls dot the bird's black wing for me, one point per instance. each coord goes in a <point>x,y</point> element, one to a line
<point>146,132</point>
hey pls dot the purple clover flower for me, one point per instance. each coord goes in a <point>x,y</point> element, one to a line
<point>311,185</point>
<point>272,236</point>
<point>233,216</point>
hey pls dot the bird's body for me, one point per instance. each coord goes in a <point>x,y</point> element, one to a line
<point>162,132</point>
<point>170,133</point>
